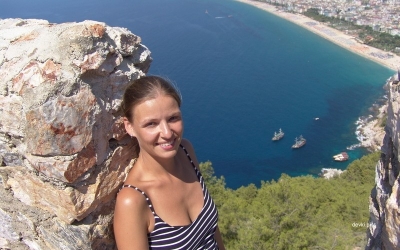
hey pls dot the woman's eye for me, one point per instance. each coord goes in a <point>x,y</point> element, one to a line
<point>175,118</point>
<point>150,124</point>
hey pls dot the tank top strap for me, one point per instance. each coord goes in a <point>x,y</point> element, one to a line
<point>188,156</point>
<point>143,193</point>
<point>199,176</point>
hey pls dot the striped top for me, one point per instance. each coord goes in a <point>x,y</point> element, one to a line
<point>197,235</point>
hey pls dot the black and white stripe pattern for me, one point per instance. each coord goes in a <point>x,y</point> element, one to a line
<point>197,235</point>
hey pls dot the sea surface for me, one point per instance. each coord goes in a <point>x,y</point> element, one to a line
<point>243,74</point>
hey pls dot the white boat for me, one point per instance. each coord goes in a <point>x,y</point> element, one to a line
<point>278,136</point>
<point>299,142</point>
<point>341,157</point>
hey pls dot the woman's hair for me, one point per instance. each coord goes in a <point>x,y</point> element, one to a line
<point>146,88</point>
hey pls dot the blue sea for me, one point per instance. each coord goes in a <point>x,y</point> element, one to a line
<point>243,74</point>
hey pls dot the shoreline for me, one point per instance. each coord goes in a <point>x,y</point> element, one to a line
<point>369,133</point>
<point>350,43</point>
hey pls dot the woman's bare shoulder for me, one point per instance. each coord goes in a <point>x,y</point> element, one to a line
<point>130,199</point>
<point>131,223</point>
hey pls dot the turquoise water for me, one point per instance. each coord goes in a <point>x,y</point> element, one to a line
<point>243,74</point>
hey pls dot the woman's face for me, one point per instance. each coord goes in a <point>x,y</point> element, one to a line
<point>157,124</point>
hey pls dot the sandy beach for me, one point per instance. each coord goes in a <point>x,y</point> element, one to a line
<point>386,59</point>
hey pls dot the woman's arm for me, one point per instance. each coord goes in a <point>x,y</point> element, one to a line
<point>130,220</point>
<point>218,238</point>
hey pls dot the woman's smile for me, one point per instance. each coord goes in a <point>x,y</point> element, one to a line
<point>167,145</point>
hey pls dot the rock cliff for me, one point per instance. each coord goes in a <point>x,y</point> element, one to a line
<point>384,225</point>
<point>63,149</point>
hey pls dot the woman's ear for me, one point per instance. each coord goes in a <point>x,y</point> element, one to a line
<point>129,127</point>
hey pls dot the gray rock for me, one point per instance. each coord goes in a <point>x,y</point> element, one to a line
<point>61,160</point>
<point>384,231</point>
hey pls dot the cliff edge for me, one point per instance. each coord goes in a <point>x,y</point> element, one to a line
<point>63,149</point>
<point>383,230</point>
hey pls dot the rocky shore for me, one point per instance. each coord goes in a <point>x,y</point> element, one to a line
<point>373,131</point>
<point>329,173</point>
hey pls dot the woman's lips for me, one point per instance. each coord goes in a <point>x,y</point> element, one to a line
<point>167,145</point>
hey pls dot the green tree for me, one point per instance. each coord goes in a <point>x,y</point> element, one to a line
<point>302,212</point>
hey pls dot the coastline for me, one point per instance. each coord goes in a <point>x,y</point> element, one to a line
<point>386,59</point>
<point>369,132</point>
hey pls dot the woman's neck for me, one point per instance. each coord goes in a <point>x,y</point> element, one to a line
<point>157,167</point>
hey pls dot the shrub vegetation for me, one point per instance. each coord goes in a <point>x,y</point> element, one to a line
<point>296,212</point>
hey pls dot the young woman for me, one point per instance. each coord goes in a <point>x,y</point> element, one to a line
<point>163,203</point>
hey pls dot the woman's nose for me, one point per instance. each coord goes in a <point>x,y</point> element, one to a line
<point>165,129</point>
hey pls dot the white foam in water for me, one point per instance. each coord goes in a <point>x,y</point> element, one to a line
<point>361,122</point>
<point>354,146</point>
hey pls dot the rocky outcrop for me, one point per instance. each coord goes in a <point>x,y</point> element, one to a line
<point>384,230</point>
<point>329,173</point>
<point>63,149</point>
<point>371,131</point>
